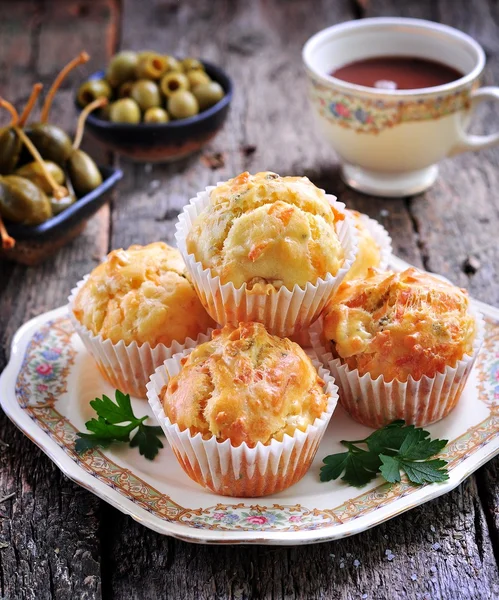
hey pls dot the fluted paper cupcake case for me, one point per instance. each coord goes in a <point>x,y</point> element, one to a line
<point>282,312</point>
<point>384,241</point>
<point>127,367</point>
<point>375,403</point>
<point>241,471</point>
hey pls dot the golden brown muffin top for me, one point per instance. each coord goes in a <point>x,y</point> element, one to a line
<point>369,252</point>
<point>245,385</point>
<point>143,294</point>
<point>267,231</point>
<point>399,324</point>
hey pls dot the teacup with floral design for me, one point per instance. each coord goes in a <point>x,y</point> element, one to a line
<point>391,141</point>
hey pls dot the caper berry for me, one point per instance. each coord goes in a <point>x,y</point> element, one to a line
<point>124,110</point>
<point>93,89</point>
<point>146,93</point>
<point>156,115</point>
<point>208,94</point>
<point>182,104</point>
<point>34,172</point>
<point>173,82</point>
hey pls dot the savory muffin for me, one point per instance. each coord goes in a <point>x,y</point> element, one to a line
<point>369,251</point>
<point>267,232</point>
<point>245,385</point>
<point>142,295</point>
<point>399,325</point>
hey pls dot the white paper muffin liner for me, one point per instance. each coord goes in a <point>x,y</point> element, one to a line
<point>241,471</point>
<point>375,403</point>
<point>127,367</point>
<point>282,312</point>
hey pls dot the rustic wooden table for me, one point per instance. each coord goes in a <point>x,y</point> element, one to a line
<point>59,541</point>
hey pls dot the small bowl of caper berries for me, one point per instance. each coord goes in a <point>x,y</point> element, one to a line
<point>160,108</point>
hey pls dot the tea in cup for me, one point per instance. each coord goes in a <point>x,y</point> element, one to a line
<point>394,96</point>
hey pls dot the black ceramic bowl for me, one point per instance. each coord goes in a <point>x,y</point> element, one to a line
<point>68,219</point>
<point>163,142</point>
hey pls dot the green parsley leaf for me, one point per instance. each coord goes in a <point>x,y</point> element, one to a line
<point>87,441</point>
<point>429,471</point>
<point>390,450</point>
<point>147,440</point>
<point>361,468</point>
<point>108,431</point>
<point>334,465</point>
<point>114,413</point>
<point>115,422</point>
<point>390,468</point>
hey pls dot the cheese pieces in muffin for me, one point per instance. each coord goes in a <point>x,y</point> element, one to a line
<point>267,231</point>
<point>399,324</point>
<point>368,253</point>
<point>143,294</point>
<point>245,385</point>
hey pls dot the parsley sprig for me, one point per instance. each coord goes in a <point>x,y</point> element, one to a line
<point>115,423</point>
<point>391,449</point>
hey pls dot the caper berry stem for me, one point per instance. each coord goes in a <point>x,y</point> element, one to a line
<point>81,59</point>
<point>8,242</point>
<point>59,191</point>
<point>35,92</point>
<point>97,103</point>
<point>12,111</point>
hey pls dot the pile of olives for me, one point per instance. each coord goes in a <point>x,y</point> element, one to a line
<point>151,88</point>
<point>42,172</point>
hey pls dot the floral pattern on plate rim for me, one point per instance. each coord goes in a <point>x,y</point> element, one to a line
<point>371,115</point>
<point>43,377</point>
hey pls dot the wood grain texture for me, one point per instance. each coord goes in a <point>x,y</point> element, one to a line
<point>49,529</point>
<point>63,542</point>
<point>441,550</point>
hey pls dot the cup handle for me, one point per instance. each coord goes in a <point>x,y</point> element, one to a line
<point>469,141</point>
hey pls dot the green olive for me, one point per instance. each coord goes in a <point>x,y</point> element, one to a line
<point>52,142</point>
<point>197,78</point>
<point>34,173</point>
<point>125,110</point>
<point>173,82</point>
<point>146,93</point>
<point>146,53</point>
<point>104,112</point>
<point>93,89</point>
<point>59,204</point>
<point>125,89</point>
<point>21,201</point>
<point>151,66</point>
<point>208,94</point>
<point>192,64</point>
<point>182,104</point>
<point>156,115</point>
<point>122,67</point>
<point>172,64</point>
<point>10,149</point>
<point>83,172</point>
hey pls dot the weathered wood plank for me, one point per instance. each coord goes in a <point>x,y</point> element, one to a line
<point>50,527</point>
<point>441,550</point>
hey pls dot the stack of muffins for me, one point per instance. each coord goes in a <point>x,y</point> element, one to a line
<point>268,257</point>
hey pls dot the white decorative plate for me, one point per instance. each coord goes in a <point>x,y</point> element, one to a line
<point>50,379</point>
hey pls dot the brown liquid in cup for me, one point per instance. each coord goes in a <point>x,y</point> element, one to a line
<point>397,73</point>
